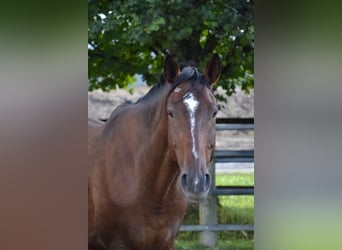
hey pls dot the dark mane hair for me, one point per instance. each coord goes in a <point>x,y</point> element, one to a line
<point>188,72</point>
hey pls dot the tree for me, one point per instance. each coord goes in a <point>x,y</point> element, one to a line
<point>133,37</point>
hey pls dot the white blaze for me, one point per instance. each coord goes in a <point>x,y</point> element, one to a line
<point>177,89</point>
<point>191,105</point>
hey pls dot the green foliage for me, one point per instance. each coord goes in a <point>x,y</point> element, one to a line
<point>133,37</point>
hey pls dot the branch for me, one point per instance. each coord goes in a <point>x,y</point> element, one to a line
<point>209,46</point>
<point>96,53</point>
<point>197,3</point>
<point>109,58</point>
<point>226,69</point>
<point>160,49</point>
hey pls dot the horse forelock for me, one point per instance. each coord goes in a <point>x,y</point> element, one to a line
<point>189,73</point>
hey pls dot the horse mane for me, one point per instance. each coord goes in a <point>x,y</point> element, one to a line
<point>188,72</point>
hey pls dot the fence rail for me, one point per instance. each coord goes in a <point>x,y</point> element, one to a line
<point>232,190</point>
<point>225,156</point>
<point>234,124</point>
<point>222,227</point>
<point>208,218</point>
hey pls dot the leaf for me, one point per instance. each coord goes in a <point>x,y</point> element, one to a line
<point>136,35</point>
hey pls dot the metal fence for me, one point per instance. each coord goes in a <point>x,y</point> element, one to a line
<point>207,210</point>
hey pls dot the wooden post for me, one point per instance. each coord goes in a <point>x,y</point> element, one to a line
<point>207,213</point>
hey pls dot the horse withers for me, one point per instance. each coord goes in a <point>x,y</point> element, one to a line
<point>150,159</point>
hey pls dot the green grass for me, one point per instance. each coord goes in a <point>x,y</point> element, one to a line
<point>234,244</point>
<point>230,210</point>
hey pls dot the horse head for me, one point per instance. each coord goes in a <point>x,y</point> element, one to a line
<point>191,110</point>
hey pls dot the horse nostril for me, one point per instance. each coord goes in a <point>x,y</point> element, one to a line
<point>207,181</point>
<point>184,180</point>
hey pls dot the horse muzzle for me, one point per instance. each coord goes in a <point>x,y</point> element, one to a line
<point>196,187</point>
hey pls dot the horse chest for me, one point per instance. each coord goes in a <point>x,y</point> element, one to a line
<point>155,229</point>
<point>149,227</point>
<point>163,218</point>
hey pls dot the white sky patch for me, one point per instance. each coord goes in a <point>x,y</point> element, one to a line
<point>191,105</point>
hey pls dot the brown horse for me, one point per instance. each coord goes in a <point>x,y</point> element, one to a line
<point>150,158</point>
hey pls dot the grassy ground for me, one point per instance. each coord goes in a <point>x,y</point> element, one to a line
<point>230,210</point>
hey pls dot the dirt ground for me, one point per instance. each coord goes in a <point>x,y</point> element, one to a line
<point>101,104</point>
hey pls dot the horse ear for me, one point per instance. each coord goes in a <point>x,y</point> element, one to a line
<point>212,70</point>
<point>171,69</point>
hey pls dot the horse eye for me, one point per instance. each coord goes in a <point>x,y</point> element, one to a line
<point>214,113</point>
<point>169,112</point>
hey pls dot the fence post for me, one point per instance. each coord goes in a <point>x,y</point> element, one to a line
<point>207,213</point>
